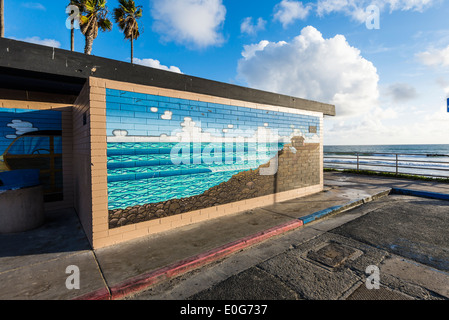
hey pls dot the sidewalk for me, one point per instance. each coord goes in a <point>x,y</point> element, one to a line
<point>33,264</point>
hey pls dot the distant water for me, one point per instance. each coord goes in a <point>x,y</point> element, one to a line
<point>421,149</point>
<point>426,159</point>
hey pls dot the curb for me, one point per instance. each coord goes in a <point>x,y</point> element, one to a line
<point>141,282</point>
<point>337,209</point>
<point>422,194</point>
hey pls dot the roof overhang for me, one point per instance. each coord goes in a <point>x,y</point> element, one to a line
<point>44,73</point>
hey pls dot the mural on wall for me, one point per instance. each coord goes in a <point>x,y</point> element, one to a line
<point>31,139</point>
<point>168,156</point>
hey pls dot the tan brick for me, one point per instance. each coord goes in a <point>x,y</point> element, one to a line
<point>180,223</point>
<point>102,242</point>
<point>97,90</point>
<point>171,218</point>
<point>98,152</point>
<point>98,111</point>
<point>148,224</point>
<point>208,211</point>
<point>97,82</point>
<point>101,207</point>
<point>99,129</point>
<point>131,235</point>
<point>120,85</point>
<point>100,234</point>
<point>110,240</point>
<point>159,228</point>
<point>225,207</point>
<point>99,180</point>
<point>100,227</point>
<point>199,218</point>
<point>96,97</point>
<point>98,139</point>
<point>122,230</point>
<point>97,117</point>
<point>189,215</point>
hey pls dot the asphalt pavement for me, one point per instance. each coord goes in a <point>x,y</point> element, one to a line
<point>316,247</point>
<point>330,259</point>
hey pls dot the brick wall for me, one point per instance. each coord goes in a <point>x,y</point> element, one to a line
<point>123,106</point>
<point>82,160</point>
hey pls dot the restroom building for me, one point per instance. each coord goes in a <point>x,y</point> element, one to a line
<point>137,151</point>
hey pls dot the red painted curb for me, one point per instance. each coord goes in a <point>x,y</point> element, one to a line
<point>101,294</point>
<point>143,281</point>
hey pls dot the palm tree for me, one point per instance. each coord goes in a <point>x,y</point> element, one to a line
<point>126,16</point>
<point>2,19</point>
<point>93,17</point>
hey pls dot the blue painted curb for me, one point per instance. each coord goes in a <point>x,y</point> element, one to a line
<point>423,194</point>
<point>350,205</point>
<point>311,217</point>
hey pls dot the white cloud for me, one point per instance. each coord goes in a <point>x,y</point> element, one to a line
<point>248,27</point>
<point>288,11</point>
<point>34,5</point>
<point>194,23</point>
<point>414,5</point>
<point>440,115</point>
<point>434,57</point>
<point>357,8</point>
<point>156,64</point>
<point>167,115</point>
<point>21,127</point>
<point>311,67</point>
<point>251,49</point>
<point>45,42</point>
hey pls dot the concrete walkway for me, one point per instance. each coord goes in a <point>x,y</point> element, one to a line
<point>39,264</point>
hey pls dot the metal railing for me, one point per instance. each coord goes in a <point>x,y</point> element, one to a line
<point>397,163</point>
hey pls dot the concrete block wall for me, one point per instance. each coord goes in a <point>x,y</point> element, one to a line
<point>103,112</point>
<point>82,160</point>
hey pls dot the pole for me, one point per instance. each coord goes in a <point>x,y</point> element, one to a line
<point>397,167</point>
<point>2,19</point>
<point>72,37</point>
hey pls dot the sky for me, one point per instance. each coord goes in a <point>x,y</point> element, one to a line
<point>384,64</point>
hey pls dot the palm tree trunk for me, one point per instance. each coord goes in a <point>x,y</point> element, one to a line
<point>2,19</point>
<point>132,50</point>
<point>89,44</point>
<point>72,37</point>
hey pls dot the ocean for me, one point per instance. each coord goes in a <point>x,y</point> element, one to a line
<point>426,159</point>
<point>147,172</point>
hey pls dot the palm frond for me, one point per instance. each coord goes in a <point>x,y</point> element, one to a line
<point>126,16</point>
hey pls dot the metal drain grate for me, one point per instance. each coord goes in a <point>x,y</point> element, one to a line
<point>331,255</point>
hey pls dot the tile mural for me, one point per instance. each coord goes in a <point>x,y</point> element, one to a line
<point>168,156</point>
<point>32,139</point>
